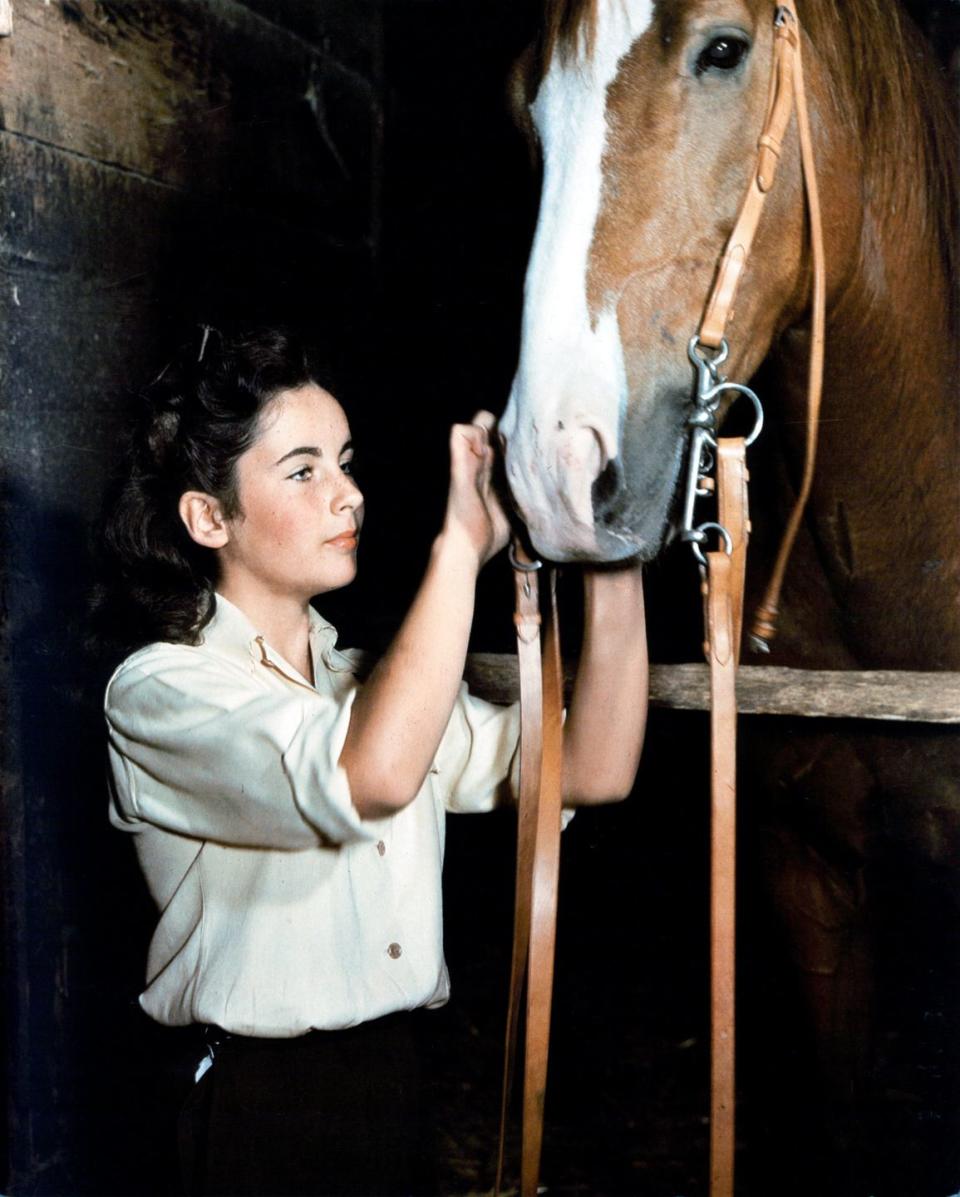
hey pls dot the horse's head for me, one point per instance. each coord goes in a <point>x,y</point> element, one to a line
<point>647,115</point>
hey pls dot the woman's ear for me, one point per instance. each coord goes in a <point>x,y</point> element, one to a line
<point>203,518</point>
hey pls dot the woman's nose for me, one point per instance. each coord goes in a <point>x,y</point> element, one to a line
<point>349,496</point>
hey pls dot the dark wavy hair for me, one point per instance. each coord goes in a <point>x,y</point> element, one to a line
<point>192,424</point>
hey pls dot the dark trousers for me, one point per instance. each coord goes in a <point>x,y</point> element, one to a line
<point>337,1113</point>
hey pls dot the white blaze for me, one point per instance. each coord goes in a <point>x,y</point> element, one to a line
<point>566,407</point>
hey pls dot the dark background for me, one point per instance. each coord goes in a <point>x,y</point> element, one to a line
<point>350,165</point>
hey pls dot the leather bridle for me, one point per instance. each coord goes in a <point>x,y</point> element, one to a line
<point>787,92</point>
<point>723,570</point>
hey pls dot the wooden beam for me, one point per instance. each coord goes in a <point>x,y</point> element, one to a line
<point>772,690</point>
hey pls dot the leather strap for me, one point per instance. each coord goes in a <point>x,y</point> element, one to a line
<point>719,309</point>
<point>723,714</point>
<point>733,514</point>
<point>526,621</point>
<point>765,620</point>
<point>543,912</point>
<point>538,863</point>
<point>723,621</point>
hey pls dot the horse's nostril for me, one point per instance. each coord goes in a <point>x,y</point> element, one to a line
<point>606,492</point>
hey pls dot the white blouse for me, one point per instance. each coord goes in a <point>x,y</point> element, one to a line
<point>280,909</point>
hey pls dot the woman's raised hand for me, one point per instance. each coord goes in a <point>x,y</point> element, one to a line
<point>400,714</point>
<point>474,512</point>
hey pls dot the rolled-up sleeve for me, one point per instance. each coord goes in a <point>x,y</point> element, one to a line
<point>477,764</point>
<point>202,750</point>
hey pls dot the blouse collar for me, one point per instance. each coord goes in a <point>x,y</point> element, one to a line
<point>231,631</point>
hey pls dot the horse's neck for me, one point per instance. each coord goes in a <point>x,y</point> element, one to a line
<point>886,502</point>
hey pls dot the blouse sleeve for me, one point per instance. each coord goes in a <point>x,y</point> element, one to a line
<point>200,749</point>
<point>477,764</point>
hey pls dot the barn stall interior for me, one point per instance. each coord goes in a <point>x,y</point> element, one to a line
<point>350,166</point>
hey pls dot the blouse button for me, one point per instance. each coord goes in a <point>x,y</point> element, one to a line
<point>381,847</point>
<point>394,951</point>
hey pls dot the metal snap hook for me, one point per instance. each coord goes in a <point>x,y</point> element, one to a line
<point>524,567</point>
<point>699,354</point>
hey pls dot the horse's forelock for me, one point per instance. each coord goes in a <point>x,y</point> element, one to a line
<point>567,24</point>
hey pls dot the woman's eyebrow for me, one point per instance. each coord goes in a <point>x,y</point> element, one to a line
<point>309,450</point>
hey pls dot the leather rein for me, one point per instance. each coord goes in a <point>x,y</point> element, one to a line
<point>722,584</point>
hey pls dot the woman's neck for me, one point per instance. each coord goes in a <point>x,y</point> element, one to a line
<point>283,620</point>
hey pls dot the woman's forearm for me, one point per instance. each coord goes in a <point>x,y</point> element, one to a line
<point>401,712</point>
<point>607,718</point>
<point>400,715</point>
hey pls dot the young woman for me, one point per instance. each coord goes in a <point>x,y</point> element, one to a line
<point>289,821</point>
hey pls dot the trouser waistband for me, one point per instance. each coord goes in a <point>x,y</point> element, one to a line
<point>215,1036</point>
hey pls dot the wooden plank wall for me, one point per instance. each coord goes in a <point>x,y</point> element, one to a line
<point>161,161</point>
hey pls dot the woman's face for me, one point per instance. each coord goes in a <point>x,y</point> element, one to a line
<point>297,529</point>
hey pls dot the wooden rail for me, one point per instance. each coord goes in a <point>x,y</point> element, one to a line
<point>771,690</point>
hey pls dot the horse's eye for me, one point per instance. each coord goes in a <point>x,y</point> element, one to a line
<point>722,54</point>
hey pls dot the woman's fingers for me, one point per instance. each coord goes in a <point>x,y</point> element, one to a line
<point>474,433</point>
<point>473,502</point>
<point>475,439</point>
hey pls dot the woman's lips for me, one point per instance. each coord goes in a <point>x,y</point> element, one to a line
<point>346,541</point>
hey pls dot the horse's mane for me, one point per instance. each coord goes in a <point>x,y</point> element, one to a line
<point>885,84</point>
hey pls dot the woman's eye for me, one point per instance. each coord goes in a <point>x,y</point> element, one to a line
<point>304,474</point>
<point>722,54</point>
<point>346,467</point>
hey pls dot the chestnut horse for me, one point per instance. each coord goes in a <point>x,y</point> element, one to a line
<point>647,114</point>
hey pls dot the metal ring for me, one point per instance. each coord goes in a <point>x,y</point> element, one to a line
<point>695,542</point>
<point>751,395</point>
<point>524,567</point>
<point>724,535</point>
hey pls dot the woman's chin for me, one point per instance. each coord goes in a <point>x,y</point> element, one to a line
<point>336,579</point>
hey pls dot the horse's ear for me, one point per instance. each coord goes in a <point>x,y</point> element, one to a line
<point>521,90</point>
